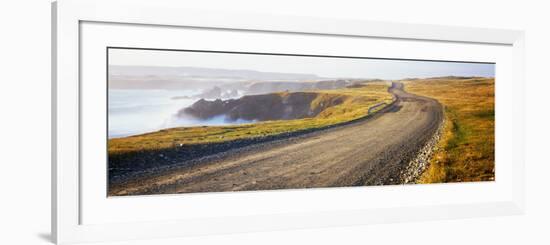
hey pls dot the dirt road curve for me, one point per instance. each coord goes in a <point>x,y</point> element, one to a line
<point>369,152</point>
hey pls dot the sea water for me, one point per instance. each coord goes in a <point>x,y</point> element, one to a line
<point>134,111</point>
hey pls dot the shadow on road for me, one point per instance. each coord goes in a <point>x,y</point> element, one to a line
<point>394,109</point>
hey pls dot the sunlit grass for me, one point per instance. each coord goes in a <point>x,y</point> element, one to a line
<point>466,151</point>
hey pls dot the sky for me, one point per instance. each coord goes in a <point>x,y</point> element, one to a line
<point>326,67</point>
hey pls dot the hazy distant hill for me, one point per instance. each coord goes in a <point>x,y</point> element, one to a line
<point>269,87</point>
<point>156,77</point>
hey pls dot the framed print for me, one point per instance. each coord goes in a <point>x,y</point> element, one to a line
<point>170,124</point>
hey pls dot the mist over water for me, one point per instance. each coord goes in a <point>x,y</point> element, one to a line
<point>137,111</point>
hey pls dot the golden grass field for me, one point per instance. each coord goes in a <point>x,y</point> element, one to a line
<point>356,103</point>
<point>466,151</point>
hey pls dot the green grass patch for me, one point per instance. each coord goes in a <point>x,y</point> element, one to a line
<point>458,130</point>
<point>486,114</point>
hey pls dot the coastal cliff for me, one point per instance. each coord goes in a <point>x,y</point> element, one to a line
<point>265,107</point>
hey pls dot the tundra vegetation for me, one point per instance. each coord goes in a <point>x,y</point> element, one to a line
<point>353,103</point>
<point>466,151</point>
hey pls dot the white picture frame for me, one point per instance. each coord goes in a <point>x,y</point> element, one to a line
<point>67,192</point>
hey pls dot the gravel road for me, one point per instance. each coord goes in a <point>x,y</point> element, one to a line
<point>369,152</point>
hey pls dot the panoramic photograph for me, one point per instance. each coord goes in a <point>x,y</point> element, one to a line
<point>209,121</point>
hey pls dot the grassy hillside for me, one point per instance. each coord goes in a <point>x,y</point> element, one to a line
<point>466,151</point>
<point>356,102</point>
